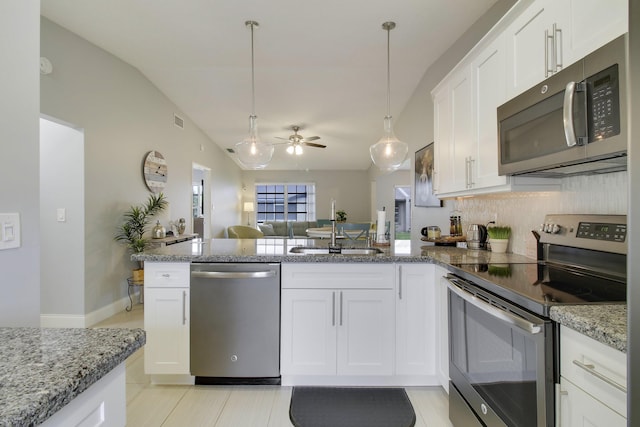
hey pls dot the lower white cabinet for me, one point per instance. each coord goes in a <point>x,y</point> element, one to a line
<point>416,322</point>
<point>166,318</point>
<point>337,332</point>
<point>592,389</point>
<point>442,324</point>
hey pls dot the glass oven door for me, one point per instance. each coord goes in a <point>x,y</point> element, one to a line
<point>501,358</point>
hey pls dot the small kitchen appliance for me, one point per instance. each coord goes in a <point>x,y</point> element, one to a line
<point>504,353</point>
<point>477,236</point>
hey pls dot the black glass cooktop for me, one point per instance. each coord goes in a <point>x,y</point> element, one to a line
<point>538,286</point>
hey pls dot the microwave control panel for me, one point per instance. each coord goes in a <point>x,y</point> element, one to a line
<point>602,231</point>
<point>603,104</point>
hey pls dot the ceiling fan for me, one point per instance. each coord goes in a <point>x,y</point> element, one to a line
<point>296,141</point>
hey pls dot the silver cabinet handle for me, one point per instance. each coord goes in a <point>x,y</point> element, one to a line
<point>557,47</point>
<point>399,282</point>
<point>333,311</point>
<point>547,37</point>
<point>340,308</point>
<point>471,183</point>
<point>233,274</point>
<point>567,114</point>
<point>525,325</point>
<point>166,275</point>
<point>592,370</point>
<point>184,307</point>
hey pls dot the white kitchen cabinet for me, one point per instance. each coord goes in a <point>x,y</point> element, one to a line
<point>552,34</point>
<point>442,171</point>
<point>337,321</point>
<point>592,389</point>
<point>166,318</point>
<point>442,326</point>
<point>416,322</point>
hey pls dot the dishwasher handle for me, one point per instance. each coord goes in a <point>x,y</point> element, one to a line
<point>233,274</point>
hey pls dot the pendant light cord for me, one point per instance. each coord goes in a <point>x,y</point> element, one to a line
<point>388,28</point>
<point>253,78</point>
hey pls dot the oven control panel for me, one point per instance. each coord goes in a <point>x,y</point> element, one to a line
<point>607,233</point>
<point>602,231</point>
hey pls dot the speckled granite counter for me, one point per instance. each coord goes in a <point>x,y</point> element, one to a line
<point>277,250</point>
<point>42,370</point>
<point>604,323</point>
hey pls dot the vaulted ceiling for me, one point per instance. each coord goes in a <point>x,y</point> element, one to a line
<point>320,65</point>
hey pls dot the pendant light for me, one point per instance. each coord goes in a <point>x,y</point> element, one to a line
<point>389,152</point>
<point>252,152</point>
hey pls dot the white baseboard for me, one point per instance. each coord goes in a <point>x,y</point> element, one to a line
<point>83,321</point>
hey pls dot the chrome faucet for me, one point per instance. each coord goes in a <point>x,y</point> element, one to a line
<point>332,244</point>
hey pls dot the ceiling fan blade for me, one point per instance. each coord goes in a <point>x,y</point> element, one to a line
<point>313,144</point>
<point>311,138</point>
<point>279,137</point>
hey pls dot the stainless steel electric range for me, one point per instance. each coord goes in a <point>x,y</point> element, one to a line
<point>503,346</point>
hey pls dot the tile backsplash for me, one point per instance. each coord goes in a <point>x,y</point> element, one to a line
<point>594,194</point>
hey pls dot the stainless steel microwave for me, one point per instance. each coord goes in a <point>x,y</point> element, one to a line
<point>573,123</point>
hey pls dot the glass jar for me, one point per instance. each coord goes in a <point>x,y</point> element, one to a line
<point>433,232</point>
<point>158,232</point>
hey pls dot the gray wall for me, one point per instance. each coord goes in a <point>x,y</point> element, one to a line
<point>123,117</point>
<point>19,176</point>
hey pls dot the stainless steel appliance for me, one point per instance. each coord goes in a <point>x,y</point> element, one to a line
<point>572,123</point>
<point>503,345</point>
<point>235,323</point>
<point>476,236</point>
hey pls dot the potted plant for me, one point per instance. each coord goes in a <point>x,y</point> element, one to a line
<point>341,216</point>
<point>136,220</point>
<point>499,238</point>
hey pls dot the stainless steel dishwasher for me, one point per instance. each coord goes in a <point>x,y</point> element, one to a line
<point>235,323</point>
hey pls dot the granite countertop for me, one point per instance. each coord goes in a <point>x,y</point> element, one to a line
<point>43,369</point>
<point>277,250</point>
<point>604,323</point>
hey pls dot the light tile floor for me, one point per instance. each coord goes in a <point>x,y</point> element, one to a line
<point>231,406</point>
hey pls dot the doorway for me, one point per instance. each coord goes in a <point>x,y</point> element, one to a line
<point>402,213</point>
<point>201,201</point>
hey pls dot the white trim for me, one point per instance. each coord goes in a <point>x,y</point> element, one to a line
<point>84,321</point>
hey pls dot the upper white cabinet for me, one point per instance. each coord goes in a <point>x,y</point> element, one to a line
<point>552,34</point>
<point>533,40</point>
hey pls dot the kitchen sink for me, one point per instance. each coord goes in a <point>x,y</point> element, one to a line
<point>343,251</point>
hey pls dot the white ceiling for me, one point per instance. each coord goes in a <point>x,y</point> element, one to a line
<point>320,64</point>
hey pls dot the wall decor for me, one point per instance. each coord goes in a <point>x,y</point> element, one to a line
<point>154,171</point>
<point>424,196</point>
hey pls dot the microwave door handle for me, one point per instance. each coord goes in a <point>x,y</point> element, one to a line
<point>567,114</point>
<point>505,316</point>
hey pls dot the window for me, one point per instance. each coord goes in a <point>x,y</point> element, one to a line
<point>286,202</point>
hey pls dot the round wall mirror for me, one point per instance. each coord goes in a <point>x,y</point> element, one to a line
<point>154,171</point>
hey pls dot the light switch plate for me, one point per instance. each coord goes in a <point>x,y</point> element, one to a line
<point>61,214</point>
<point>9,230</point>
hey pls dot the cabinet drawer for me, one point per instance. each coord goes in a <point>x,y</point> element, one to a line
<point>585,361</point>
<point>338,276</point>
<point>166,274</point>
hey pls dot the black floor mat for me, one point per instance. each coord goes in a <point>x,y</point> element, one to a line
<point>350,407</point>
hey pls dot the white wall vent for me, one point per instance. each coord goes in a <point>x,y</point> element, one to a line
<point>178,121</point>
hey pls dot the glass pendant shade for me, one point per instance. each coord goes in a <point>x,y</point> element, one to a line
<point>252,152</point>
<point>389,152</point>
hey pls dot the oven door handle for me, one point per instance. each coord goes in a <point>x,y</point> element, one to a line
<point>525,325</point>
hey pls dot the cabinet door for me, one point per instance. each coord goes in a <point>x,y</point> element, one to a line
<point>166,321</point>
<point>365,332</point>
<point>415,320</point>
<point>590,25</point>
<point>443,155</point>
<point>308,336</point>
<point>442,324</point>
<point>461,128</point>
<point>490,91</point>
<point>525,38</point>
<point>579,409</point>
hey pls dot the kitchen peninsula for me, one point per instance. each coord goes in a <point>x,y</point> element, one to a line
<point>62,377</point>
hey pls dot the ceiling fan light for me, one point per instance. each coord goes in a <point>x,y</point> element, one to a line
<point>298,150</point>
<point>290,149</point>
